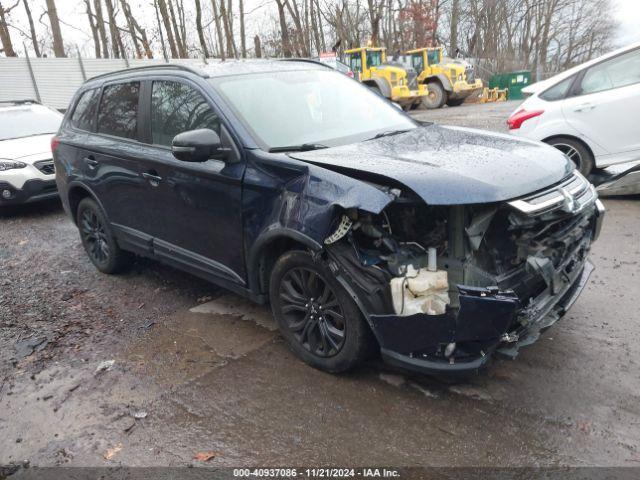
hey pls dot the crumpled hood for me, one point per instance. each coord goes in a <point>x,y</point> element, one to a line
<point>27,149</point>
<point>451,165</point>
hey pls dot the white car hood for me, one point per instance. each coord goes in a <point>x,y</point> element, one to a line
<point>27,149</point>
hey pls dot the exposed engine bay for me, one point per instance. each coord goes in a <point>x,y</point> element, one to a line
<point>452,284</point>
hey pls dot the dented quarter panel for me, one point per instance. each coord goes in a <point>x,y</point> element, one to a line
<point>451,165</point>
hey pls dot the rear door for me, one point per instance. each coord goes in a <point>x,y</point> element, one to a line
<point>194,209</point>
<point>605,103</point>
<point>114,160</point>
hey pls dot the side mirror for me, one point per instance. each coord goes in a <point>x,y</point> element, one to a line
<point>198,146</point>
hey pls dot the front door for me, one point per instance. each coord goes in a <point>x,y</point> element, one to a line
<point>197,214</point>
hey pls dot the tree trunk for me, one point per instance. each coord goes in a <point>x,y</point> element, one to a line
<point>453,31</point>
<point>5,36</point>
<point>132,29</point>
<point>140,36</point>
<point>243,37</point>
<point>164,48</point>
<point>116,41</point>
<point>216,18</point>
<point>284,30</point>
<point>97,5</point>
<point>203,43</point>
<point>34,38</point>
<point>228,29</point>
<point>58,44</point>
<point>181,46</point>
<point>257,47</point>
<point>167,26</point>
<point>94,28</point>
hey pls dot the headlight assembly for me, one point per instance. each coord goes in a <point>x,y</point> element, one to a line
<point>10,165</point>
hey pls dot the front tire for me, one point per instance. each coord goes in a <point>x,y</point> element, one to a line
<point>577,152</point>
<point>455,102</point>
<point>436,97</point>
<point>316,316</point>
<point>98,239</point>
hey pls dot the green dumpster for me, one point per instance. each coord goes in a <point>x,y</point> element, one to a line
<point>514,81</point>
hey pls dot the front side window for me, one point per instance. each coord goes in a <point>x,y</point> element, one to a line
<point>617,72</point>
<point>355,62</point>
<point>374,59</point>
<point>85,111</point>
<point>118,113</point>
<point>177,108</point>
<point>416,62</point>
<point>558,91</point>
<point>433,57</point>
<point>309,106</point>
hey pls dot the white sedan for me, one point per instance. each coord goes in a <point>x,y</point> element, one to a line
<point>590,112</point>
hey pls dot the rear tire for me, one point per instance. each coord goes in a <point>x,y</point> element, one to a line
<point>98,239</point>
<point>576,151</point>
<point>316,316</point>
<point>436,97</point>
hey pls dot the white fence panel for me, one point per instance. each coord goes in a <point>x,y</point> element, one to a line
<point>15,80</point>
<point>57,79</point>
<point>98,66</point>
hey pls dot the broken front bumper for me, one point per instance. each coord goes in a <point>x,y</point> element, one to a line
<point>484,324</point>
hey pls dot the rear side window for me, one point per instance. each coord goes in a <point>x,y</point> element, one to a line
<point>118,113</point>
<point>177,108</point>
<point>558,91</point>
<point>617,72</point>
<point>85,111</point>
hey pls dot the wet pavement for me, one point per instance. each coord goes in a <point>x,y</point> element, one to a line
<point>197,369</point>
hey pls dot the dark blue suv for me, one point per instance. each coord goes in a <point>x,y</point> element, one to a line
<point>290,183</point>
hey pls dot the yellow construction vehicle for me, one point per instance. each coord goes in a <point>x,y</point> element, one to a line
<point>449,82</point>
<point>392,81</point>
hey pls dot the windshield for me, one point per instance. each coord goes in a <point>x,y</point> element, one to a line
<point>17,122</point>
<point>416,62</point>
<point>433,57</point>
<point>310,106</point>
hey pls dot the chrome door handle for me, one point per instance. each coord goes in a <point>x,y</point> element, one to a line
<point>92,162</point>
<point>154,180</point>
<point>584,107</point>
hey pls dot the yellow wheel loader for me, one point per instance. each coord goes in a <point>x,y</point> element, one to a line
<point>449,82</point>
<point>392,81</point>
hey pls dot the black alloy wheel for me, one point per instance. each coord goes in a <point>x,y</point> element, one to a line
<point>94,236</point>
<point>312,312</point>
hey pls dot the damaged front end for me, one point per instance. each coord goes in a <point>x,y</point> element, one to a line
<point>445,287</point>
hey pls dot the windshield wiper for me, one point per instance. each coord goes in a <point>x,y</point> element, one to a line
<point>305,147</point>
<point>388,133</point>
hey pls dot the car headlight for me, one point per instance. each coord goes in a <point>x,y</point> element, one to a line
<point>10,165</point>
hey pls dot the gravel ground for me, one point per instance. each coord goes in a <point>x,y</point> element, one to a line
<point>153,366</point>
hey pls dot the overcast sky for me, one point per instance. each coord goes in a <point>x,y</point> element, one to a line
<point>75,28</point>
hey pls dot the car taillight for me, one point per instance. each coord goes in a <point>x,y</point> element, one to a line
<point>522,116</point>
<point>54,144</point>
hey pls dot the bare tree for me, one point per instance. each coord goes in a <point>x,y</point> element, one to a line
<point>5,36</point>
<point>138,34</point>
<point>243,36</point>
<point>218,23</point>
<point>203,43</point>
<point>32,30</point>
<point>116,40</point>
<point>225,15</point>
<point>162,6</point>
<point>94,28</point>
<point>100,23</point>
<point>284,29</point>
<point>180,41</point>
<point>58,44</point>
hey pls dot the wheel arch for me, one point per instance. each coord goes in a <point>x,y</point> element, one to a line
<point>574,138</point>
<point>268,248</point>
<point>441,79</point>
<point>381,84</point>
<point>76,193</point>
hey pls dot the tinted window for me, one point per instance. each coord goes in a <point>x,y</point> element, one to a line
<point>617,72</point>
<point>119,110</point>
<point>355,61</point>
<point>558,91</point>
<point>85,111</point>
<point>177,108</point>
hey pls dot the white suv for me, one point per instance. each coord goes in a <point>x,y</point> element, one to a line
<point>26,164</point>
<point>590,112</point>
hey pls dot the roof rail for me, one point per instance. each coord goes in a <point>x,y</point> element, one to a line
<point>23,101</point>
<point>306,60</point>
<point>160,66</point>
